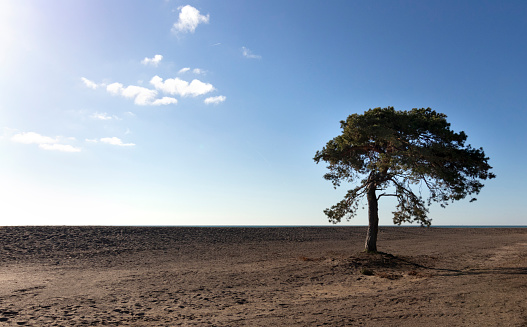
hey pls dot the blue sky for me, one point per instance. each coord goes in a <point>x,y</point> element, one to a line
<point>210,112</point>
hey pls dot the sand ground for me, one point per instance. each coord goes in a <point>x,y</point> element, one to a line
<point>308,276</point>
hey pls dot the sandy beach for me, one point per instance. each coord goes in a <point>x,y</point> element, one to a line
<point>298,276</point>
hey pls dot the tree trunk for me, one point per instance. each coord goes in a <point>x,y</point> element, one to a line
<point>373,220</point>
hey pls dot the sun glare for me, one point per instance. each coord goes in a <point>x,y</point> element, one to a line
<point>16,20</point>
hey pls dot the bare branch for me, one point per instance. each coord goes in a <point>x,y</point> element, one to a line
<point>384,194</point>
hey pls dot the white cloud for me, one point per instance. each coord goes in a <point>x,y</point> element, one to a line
<point>115,88</point>
<point>196,71</point>
<point>215,100</point>
<point>92,85</point>
<point>115,141</point>
<point>91,140</point>
<point>44,142</point>
<point>184,70</point>
<point>152,61</point>
<point>164,100</point>
<point>189,19</point>
<point>59,147</point>
<point>248,54</point>
<point>144,96</point>
<point>177,86</point>
<point>102,116</point>
<point>141,95</point>
<point>32,138</point>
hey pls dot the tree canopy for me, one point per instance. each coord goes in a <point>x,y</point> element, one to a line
<point>387,150</point>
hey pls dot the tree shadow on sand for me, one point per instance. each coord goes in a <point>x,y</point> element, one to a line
<point>390,266</point>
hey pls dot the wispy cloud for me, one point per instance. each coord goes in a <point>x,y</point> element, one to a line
<point>178,86</point>
<point>197,71</point>
<point>88,83</point>
<point>249,54</point>
<point>152,61</point>
<point>103,116</point>
<point>215,100</point>
<point>115,141</point>
<point>189,19</point>
<point>33,138</point>
<point>59,147</point>
<point>184,70</point>
<point>44,142</point>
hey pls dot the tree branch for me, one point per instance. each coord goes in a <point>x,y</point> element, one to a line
<point>384,194</point>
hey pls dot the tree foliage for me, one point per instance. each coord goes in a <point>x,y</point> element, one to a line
<point>384,149</point>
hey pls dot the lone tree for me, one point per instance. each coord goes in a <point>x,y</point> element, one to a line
<point>387,149</point>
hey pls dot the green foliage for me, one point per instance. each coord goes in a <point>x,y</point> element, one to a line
<point>384,148</point>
